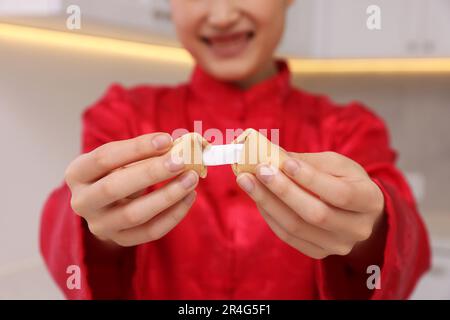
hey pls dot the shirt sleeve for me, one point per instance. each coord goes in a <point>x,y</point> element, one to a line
<point>404,255</point>
<point>65,241</point>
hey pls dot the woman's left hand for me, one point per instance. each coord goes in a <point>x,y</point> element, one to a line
<point>319,203</point>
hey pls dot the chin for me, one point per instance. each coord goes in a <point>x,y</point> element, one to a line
<point>230,70</point>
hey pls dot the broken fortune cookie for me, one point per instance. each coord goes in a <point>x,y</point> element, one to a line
<point>189,147</point>
<point>257,149</point>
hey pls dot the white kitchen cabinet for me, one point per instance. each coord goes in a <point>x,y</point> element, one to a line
<point>437,33</point>
<point>344,32</point>
<point>338,29</point>
<point>151,17</point>
<point>314,29</point>
<point>300,35</point>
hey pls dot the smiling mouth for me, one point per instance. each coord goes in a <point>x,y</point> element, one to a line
<point>229,45</point>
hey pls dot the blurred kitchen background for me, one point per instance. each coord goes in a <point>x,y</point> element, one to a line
<point>49,74</point>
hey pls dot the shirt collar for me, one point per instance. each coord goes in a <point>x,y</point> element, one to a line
<point>207,87</point>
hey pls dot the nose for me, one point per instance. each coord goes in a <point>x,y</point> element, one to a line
<point>223,13</point>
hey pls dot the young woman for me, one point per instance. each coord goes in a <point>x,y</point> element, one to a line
<point>320,228</point>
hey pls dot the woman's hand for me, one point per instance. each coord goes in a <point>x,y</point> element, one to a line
<point>108,183</point>
<point>321,204</point>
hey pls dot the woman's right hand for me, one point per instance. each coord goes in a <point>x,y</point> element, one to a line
<point>108,183</point>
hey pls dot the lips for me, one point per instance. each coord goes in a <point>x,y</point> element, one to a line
<point>228,45</point>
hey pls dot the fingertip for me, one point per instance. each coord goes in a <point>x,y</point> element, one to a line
<point>174,162</point>
<point>266,173</point>
<point>245,181</point>
<point>292,166</point>
<point>162,141</point>
<point>197,177</point>
<point>242,174</point>
<point>189,179</point>
<point>190,198</point>
<point>245,175</point>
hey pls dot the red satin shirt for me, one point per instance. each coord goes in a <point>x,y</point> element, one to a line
<point>224,249</point>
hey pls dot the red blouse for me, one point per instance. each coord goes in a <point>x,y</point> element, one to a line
<point>224,249</point>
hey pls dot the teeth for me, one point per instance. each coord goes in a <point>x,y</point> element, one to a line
<point>228,39</point>
<point>222,154</point>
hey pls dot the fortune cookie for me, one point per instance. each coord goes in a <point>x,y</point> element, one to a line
<point>257,149</point>
<point>189,147</point>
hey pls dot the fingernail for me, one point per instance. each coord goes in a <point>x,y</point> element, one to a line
<point>174,163</point>
<point>189,199</point>
<point>161,141</point>
<point>291,166</point>
<point>188,180</point>
<point>266,173</point>
<point>245,183</point>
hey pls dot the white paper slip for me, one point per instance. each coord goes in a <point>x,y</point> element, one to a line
<point>222,154</point>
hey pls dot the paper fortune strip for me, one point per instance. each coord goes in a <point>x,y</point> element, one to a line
<point>222,154</point>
